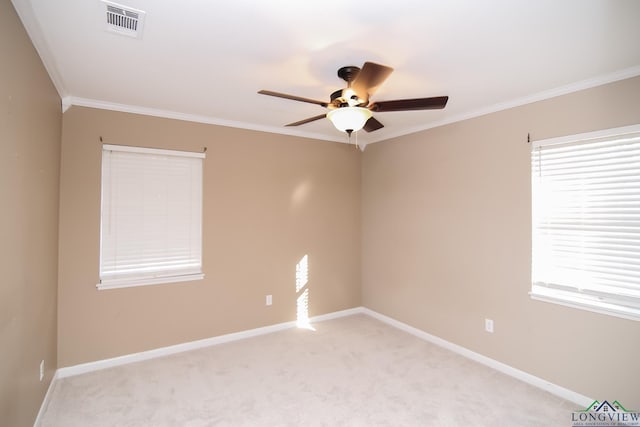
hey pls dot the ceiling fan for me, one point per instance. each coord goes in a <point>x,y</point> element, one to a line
<point>350,109</point>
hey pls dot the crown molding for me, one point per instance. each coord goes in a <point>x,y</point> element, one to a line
<point>69,101</point>
<point>626,73</point>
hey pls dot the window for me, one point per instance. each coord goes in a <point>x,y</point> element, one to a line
<point>586,221</point>
<point>151,225</point>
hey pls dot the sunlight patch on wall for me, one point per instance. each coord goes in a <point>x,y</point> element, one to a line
<point>302,290</point>
<point>302,273</point>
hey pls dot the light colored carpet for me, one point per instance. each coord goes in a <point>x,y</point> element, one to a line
<point>352,371</point>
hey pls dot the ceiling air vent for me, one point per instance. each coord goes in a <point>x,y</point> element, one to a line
<point>124,20</point>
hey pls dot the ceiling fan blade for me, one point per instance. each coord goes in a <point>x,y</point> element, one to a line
<point>292,97</point>
<point>435,103</point>
<point>369,78</point>
<point>372,124</point>
<point>310,119</point>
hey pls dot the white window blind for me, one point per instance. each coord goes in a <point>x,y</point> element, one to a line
<point>151,225</point>
<point>586,221</point>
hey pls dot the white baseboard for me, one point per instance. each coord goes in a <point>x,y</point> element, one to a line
<point>337,314</point>
<point>193,345</point>
<point>557,390</point>
<point>562,392</point>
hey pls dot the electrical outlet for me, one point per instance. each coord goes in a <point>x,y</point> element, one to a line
<point>41,370</point>
<point>488,325</point>
<point>269,300</point>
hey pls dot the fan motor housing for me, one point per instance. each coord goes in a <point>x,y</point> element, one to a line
<point>337,100</point>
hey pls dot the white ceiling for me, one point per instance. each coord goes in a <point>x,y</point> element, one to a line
<point>205,60</point>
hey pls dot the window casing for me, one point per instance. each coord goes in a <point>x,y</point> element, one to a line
<point>586,221</point>
<point>151,216</point>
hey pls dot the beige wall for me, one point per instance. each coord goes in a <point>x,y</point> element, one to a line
<point>446,243</point>
<point>268,200</point>
<point>30,121</point>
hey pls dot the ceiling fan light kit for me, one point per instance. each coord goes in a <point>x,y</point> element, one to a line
<point>349,119</point>
<point>350,109</point>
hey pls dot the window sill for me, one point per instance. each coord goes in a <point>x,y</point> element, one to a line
<point>593,307</point>
<point>130,283</point>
